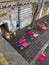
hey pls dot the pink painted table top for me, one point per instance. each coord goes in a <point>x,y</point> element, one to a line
<point>45,28</point>
<point>35,35</point>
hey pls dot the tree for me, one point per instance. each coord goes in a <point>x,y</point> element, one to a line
<point>39,6</point>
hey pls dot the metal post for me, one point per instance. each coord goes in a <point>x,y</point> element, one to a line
<point>19,15</point>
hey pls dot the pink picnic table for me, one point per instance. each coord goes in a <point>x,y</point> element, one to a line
<point>30,33</point>
<point>41,27</point>
<point>41,58</point>
<point>23,42</point>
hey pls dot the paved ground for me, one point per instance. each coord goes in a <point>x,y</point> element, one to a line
<point>13,57</point>
<point>35,44</point>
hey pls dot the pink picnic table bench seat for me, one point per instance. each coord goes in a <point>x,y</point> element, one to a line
<point>20,40</point>
<point>41,27</point>
<point>30,33</point>
<point>23,42</point>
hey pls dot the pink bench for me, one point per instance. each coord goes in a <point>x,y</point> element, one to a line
<point>23,42</point>
<point>30,33</point>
